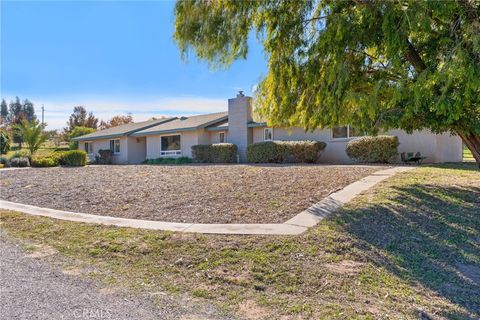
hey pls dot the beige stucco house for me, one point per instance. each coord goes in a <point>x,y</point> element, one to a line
<point>174,137</point>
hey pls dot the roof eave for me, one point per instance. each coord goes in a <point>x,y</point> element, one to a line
<point>217,128</point>
<point>256,124</point>
<point>127,133</point>
<point>224,118</point>
<point>150,133</point>
<point>85,138</point>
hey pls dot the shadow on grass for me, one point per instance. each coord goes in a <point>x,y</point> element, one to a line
<point>426,234</point>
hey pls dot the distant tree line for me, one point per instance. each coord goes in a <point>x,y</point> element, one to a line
<point>14,114</point>
<point>18,117</point>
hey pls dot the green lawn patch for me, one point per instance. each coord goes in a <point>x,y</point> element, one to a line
<point>467,154</point>
<point>406,247</point>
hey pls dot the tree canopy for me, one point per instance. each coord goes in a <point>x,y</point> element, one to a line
<point>33,134</point>
<point>77,132</point>
<point>80,118</point>
<point>373,64</point>
<point>116,121</point>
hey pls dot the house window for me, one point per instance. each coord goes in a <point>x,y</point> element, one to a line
<point>221,137</point>
<point>88,147</point>
<point>268,134</point>
<point>345,132</point>
<point>171,145</point>
<point>115,146</point>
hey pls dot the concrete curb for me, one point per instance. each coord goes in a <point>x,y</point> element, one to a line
<point>296,225</point>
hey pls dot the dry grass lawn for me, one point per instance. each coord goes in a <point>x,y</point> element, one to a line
<point>406,249</point>
<point>192,193</point>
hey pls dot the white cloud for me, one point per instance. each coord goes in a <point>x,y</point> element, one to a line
<point>57,113</point>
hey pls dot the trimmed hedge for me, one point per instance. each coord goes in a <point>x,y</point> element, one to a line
<point>373,149</point>
<point>5,162</point>
<point>215,153</point>
<point>180,160</point>
<point>285,151</point>
<point>74,158</point>
<point>49,161</point>
<point>20,162</point>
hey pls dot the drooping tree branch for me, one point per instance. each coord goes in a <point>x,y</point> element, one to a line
<point>414,58</point>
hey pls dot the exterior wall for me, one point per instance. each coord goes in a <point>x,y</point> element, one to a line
<point>449,148</point>
<point>239,114</point>
<point>215,136</point>
<point>203,136</point>
<point>137,149</point>
<point>121,158</point>
<point>187,140</point>
<point>437,148</point>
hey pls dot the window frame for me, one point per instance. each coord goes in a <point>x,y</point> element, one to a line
<point>220,137</point>
<point>348,137</point>
<point>166,153</point>
<point>88,147</point>
<point>112,146</point>
<point>264,134</point>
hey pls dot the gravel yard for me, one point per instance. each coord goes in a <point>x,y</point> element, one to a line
<point>193,193</point>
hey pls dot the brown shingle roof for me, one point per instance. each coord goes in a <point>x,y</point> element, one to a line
<point>185,124</point>
<point>122,130</point>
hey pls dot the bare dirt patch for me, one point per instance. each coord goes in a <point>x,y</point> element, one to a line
<point>41,251</point>
<point>347,267</point>
<point>194,193</point>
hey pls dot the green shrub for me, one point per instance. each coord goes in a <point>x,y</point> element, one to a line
<point>20,162</point>
<point>373,149</point>
<point>215,153</point>
<point>285,151</point>
<point>49,161</point>
<point>4,161</point>
<point>2,166</point>
<point>104,156</point>
<point>78,132</point>
<point>20,154</point>
<point>75,158</point>
<point>4,142</point>
<point>180,160</point>
<point>59,156</point>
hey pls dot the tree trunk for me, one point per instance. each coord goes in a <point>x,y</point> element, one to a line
<point>472,142</point>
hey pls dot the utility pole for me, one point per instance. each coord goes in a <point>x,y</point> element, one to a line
<point>43,115</point>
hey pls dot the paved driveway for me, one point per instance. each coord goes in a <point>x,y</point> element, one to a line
<point>32,288</point>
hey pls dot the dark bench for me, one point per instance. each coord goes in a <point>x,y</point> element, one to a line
<point>410,157</point>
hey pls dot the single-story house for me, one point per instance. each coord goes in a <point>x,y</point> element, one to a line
<point>174,137</point>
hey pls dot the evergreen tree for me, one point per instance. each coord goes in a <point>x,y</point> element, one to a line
<point>29,110</point>
<point>16,113</point>
<point>3,112</point>
<point>16,116</point>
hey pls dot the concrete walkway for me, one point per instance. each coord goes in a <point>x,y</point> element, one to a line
<point>296,225</point>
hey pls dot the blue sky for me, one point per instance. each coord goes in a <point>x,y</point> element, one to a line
<point>112,57</point>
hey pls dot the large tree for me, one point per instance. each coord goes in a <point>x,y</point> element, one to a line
<point>3,112</point>
<point>29,110</point>
<point>15,116</point>
<point>116,121</point>
<point>80,118</point>
<point>374,64</point>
